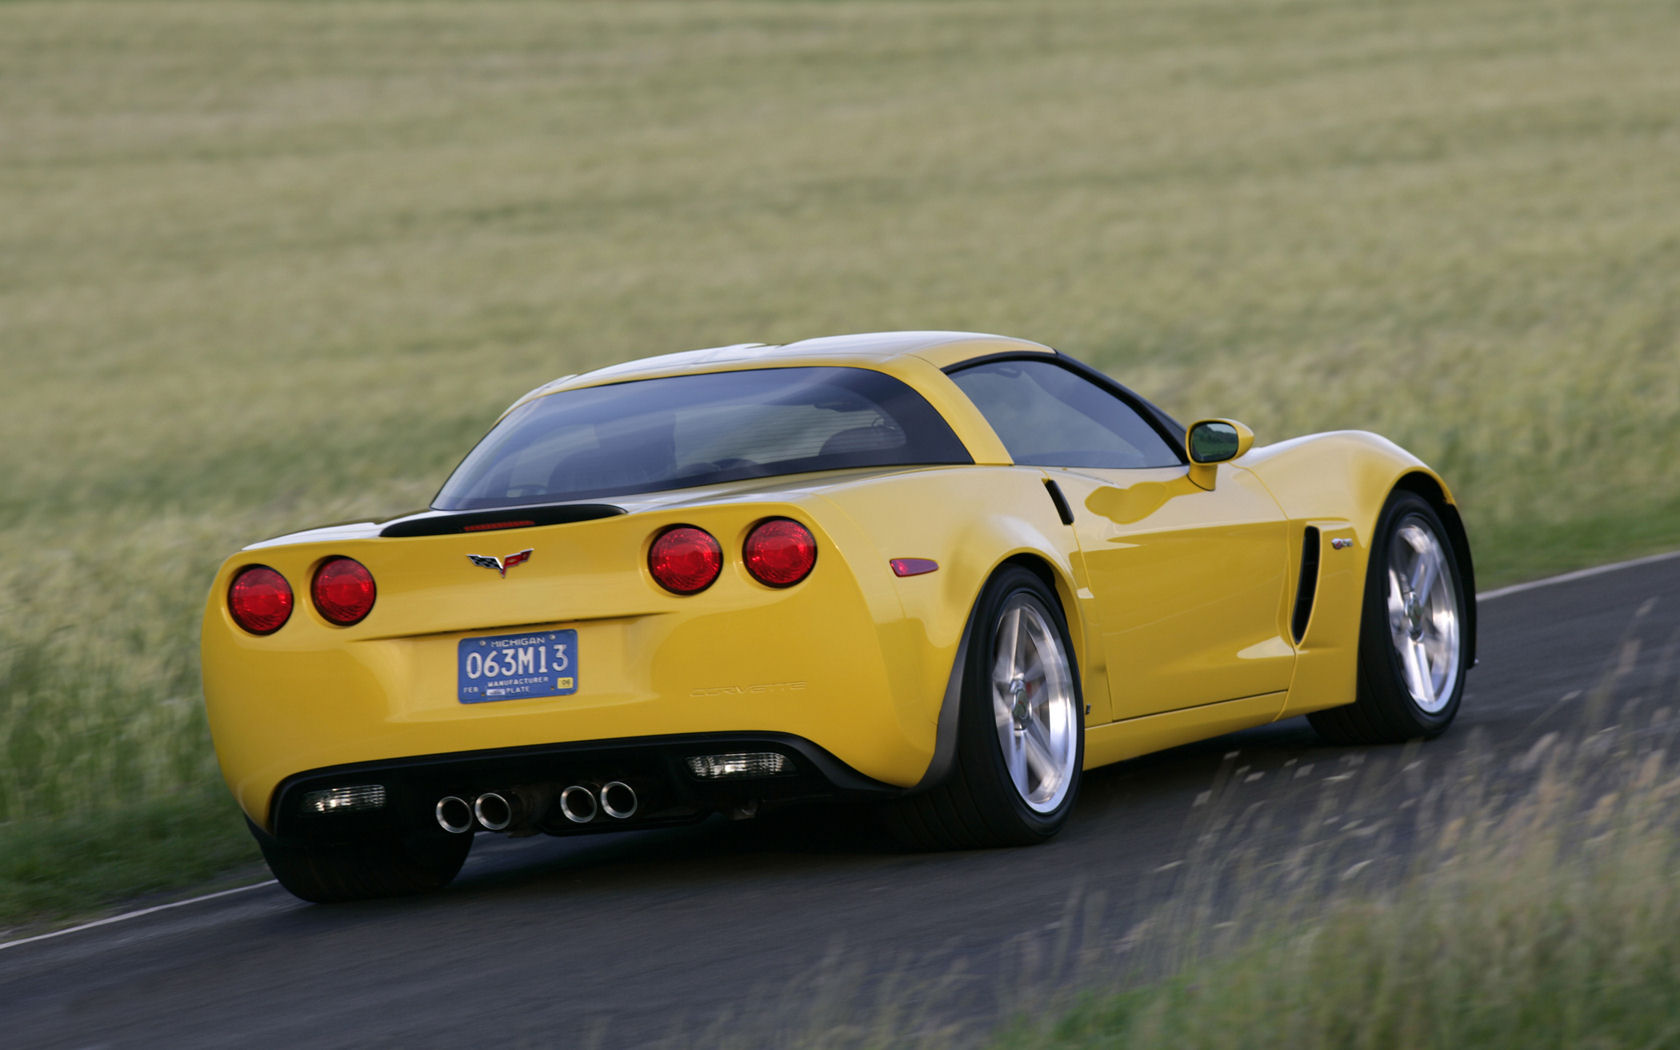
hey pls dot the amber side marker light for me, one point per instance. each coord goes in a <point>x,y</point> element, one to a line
<point>779,552</point>
<point>913,566</point>
<point>260,600</point>
<point>343,591</point>
<point>685,560</point>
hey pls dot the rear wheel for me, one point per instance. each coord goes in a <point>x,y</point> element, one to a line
<point>387,865</point>
<point>1020,729</point>
<point>1412,656</point>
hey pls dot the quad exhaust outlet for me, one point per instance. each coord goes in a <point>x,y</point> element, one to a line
<point>578,804</point>
<point>454,815</point>
<point>618,800</point>
<point>517,808</point>
<point>496,811</point>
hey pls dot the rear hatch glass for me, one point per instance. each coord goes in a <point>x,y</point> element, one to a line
<point>683,431</point>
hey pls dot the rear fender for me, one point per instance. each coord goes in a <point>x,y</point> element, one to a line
<point>950,705</point>
<point>981,526</point>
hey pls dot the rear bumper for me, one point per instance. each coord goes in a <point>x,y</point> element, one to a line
<point>667,790</point>
<point>834,661</point>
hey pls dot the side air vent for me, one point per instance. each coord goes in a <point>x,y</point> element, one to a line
<point>1063,511</point>
<point>444,523</point>
<point>1308,590</point>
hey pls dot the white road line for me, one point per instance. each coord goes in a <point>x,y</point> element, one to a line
<point>1580,574</point>
<point>134,915</point>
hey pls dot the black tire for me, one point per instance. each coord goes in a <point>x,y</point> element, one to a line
<point>1399,700</point>
<point>979,805</point>
<point>385,865</point>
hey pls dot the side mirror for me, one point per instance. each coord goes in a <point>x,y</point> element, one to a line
<point>1212,441</point>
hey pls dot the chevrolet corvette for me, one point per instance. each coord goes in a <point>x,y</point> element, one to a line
<point>939,571</point>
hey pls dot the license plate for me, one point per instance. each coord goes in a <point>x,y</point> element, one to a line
<point>516,666</point>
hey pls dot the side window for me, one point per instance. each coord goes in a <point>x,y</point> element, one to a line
<point>1050,416</point>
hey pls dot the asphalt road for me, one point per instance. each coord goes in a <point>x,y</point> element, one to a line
<point>754,929</point>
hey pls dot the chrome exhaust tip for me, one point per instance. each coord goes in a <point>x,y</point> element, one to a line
<point>454,815</point>
<point>618,800</point>
<point>493,810</point>
<point>578,804</point>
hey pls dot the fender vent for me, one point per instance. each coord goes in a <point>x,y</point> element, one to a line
<point>1308,589</point>
<point>1063,511</point>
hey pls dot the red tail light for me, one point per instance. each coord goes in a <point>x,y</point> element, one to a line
<point>343,591</point>
<point>780,552</point>
<point>685,560</point>
<point>260,600</point>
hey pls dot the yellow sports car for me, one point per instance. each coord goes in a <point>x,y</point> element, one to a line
<point>939,570</point>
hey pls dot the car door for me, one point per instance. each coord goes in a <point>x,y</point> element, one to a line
<point>1189,583</point>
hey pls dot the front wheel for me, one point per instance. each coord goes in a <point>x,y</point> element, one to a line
<point>378,866</point>
<point>1412,653</point>
<point>1020,729</point>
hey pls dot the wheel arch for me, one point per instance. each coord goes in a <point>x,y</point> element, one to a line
<point>1350,475</point>
<point>950,705</point>
<point>1432,491</point>
<point>1041,567</point>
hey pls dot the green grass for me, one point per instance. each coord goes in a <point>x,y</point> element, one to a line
<point>61,868</point>
<point>267,264</point>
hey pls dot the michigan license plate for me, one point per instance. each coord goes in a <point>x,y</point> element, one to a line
<point>516,666</point>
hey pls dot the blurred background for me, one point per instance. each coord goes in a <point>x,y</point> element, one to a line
<point>264,265</point>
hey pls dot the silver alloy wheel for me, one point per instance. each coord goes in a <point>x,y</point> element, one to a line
<point>1423,615</point>
<point>1033,701</point>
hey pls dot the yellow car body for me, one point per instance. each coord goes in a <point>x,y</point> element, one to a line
<point>1180,586</point>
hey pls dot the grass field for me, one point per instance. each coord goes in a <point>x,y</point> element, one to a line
<point>267,264</point>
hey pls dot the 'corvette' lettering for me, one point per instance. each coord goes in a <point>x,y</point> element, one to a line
<point>748,690</point>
